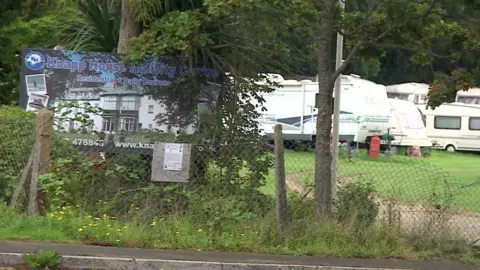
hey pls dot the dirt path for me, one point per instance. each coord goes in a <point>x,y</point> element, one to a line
<point>408,216</point>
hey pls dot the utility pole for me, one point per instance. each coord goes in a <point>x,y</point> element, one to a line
<point>336,111</point>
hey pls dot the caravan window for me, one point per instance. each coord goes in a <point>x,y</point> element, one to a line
<point>468,100</point>
<point>474,123</point>
<point>398,96</point>
<point>447,122</point>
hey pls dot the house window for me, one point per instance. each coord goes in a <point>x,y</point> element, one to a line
<point>447,122</point>
<point>110,103</point>
<point>474,123</point>
<point>129,103</point>
<point>150,108</point>
<point>128,124</point>
<point>108,124</point>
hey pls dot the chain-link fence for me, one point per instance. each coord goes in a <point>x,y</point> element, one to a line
<point>227,182</point>
<point>412,193</point>
<point>16,143</point>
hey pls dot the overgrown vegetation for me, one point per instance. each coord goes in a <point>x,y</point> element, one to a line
<point>109,201</point>
<point>43,260</point>
<point>15,146</point>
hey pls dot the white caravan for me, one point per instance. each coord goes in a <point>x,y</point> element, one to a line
<point>472,96</point>
<point>417,93</point>
<point>453,126</point>
<point>406,124</point>
<point>365,110</point>
<point>413,92</point>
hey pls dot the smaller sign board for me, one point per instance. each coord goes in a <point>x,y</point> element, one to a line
<point>171,162</point>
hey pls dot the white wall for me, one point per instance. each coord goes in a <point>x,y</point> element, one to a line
<point>64,125</point>
<point>148,119</point>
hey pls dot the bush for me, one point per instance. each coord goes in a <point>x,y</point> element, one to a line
<point>17,133</point>
<point>43,259</point>
<point>355,204</point>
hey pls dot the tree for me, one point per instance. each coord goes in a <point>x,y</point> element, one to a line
<point>381,25</point>
<point>238,37</point>
<point>129,26</point>
<point>24,23</point>
<point>94,26</point>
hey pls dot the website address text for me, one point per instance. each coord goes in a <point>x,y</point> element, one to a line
<point>101,143</point>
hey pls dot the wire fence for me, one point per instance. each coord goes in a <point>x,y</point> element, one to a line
<point>117,175</point>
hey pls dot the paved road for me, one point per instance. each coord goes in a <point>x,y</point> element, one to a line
<point>83,250</point>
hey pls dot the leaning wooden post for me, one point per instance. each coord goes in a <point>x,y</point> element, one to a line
<point>281,189</point>
<point>41,158</point>
<point>23,178</point>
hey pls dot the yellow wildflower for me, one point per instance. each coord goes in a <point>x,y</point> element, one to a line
<point>154,223</point>
<point>80,229</point>
<point>119,230</point>
<point>61,212</point>
<point>108,234</point>
<point>200,230</point>
<point>59,218</point>
<point>63,208</point>
<point>125,227</point>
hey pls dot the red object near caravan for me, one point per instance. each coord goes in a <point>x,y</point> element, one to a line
<point>374,147</point>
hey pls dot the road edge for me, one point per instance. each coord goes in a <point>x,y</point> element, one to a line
<point>92,262</point>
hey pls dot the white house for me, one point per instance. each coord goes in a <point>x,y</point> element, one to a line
<point>123,109</point>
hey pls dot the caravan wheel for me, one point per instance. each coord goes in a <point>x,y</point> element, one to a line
<point>450,148</point>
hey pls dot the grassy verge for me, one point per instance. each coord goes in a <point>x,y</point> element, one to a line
<point>304,237</point>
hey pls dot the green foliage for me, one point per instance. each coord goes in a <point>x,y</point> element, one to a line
<point>43,259</point>
<point>94,26</point>
<point>176,31</point>
<point>355,205</point>
<point>29,24</point>
<point>17,130</point>
<point>221,212</point>
<point>64,184</point>
<point>445,87</point>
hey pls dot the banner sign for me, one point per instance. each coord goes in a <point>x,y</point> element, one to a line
<point>50,74</point>
<point>122,93</point>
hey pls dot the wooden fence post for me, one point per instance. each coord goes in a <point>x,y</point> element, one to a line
<point>41,157</point>
<point>281,189</point>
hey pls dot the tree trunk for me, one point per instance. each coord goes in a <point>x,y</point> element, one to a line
<point>323,157</point>
<point>128,27</point>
